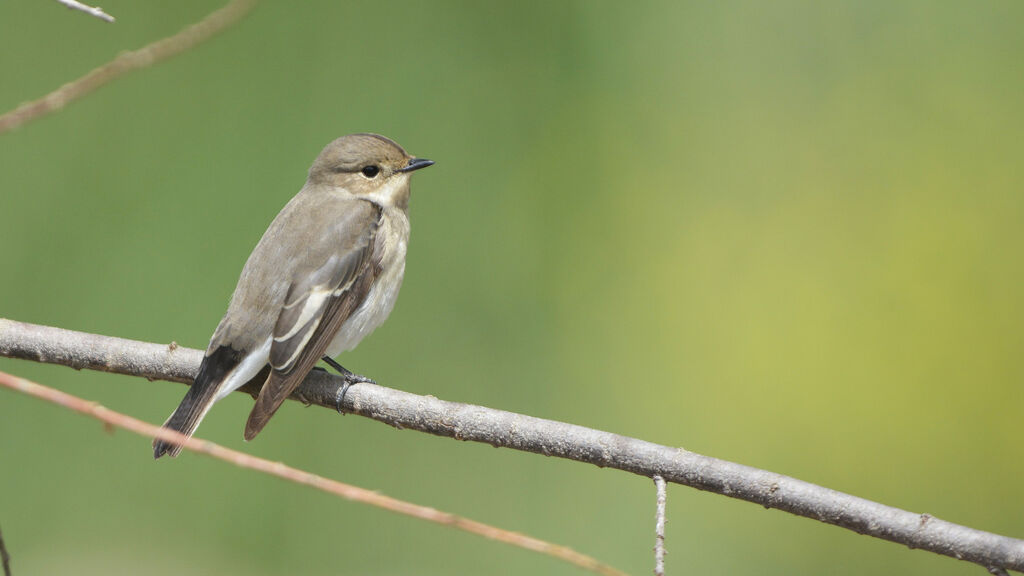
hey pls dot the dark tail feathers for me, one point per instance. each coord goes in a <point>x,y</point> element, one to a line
<point>199,398</point>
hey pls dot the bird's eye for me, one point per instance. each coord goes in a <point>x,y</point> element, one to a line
<point>371,171</point>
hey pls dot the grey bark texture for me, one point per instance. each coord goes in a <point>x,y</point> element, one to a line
<point>550,438</point>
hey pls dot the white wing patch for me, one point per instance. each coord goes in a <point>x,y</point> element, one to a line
<point>312,306</point>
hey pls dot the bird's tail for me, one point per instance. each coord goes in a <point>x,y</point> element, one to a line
<point>200,397</point>
<point>185,419</point>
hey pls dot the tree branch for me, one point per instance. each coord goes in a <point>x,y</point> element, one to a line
<point>126,62</point>
<point>5,558</point>
<point>90,10</point>
<point>281,470</point>
<point>506,429</point>
<point>659,526</point>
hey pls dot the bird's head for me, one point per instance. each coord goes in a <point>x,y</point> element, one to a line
<point>367,165</point>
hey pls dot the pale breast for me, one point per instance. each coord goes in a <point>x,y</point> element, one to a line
<point>389,247</point>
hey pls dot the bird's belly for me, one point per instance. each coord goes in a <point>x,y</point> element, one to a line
<point>376,307</point>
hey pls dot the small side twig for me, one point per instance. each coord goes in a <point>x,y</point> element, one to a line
<point>5,558</point>
<point>90,10</point>
<point>347,491</point>
<point>126,62</point>
<point>659,527</point>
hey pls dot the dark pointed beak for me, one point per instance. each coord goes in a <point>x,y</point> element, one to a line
<point>416,164</point>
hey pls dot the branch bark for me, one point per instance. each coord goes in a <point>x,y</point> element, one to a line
<point>520,432</point>
<point>659,526</point>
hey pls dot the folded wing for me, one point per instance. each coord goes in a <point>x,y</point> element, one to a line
<point>318,302</point>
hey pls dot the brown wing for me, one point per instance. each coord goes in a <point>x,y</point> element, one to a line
<point>316,306</point>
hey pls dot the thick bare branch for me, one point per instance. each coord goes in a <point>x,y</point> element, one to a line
<point>526,433</point>
<point>126,62</point>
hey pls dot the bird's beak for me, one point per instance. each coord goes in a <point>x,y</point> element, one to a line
<point>416,164</point>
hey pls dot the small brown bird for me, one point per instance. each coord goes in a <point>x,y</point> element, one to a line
<point>325,274</point>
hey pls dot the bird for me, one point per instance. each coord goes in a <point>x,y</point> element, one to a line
<point>325,274</point>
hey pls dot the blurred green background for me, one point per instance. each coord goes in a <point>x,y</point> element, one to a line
<point>786,234</point>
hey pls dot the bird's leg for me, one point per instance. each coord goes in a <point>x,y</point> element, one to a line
<point>337,367</point>
<point>350,379</point>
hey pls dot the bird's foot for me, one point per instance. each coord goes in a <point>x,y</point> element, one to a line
<point>349,378</point>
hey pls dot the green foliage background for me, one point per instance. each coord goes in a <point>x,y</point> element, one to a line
<point>787,234</point>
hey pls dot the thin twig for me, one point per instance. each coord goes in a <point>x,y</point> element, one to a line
<point>5,558</point>
<point>529,434</point>
<point>659,526</point>
<point>297,476</point>
<point>92,11</point>
<point>127,62</point>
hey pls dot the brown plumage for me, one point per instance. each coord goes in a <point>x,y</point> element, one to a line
<point>325,274</point>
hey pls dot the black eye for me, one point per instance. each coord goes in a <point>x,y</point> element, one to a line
<point>371,171</point>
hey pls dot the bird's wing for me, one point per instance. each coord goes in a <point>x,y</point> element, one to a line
<point>318,302</point>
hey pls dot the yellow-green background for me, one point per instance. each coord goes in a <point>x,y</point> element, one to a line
<point>787,234</point>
